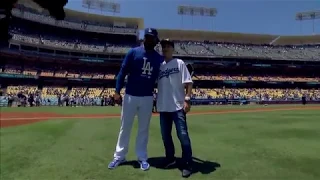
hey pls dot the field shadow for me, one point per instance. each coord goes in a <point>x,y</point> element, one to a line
<point>198,165</point>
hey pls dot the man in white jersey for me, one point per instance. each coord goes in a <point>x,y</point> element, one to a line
<point>173,102</point>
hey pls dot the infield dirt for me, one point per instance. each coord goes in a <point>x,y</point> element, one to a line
<point>8,119</point>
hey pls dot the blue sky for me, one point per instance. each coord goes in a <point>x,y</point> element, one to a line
<point>246,16</point>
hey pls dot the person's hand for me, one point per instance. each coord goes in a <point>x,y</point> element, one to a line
<point>116,96</point>
<point>186,106</point>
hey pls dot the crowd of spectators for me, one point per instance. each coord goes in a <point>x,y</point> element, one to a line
<point>265,94</point>
<point>266,78</point>
<point>77,44</point>
<point>49,92</point>
<point>256,93</point>
<point>205,48</point>
<point>68,42</point>
<point>183,48</point>
<point>14,90</point>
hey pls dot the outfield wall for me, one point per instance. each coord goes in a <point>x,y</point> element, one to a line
<point>4,102</point>
<point>246,101</point>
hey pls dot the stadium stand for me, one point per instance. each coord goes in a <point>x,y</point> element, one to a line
<point>186,42</point>
<point>32,72</point>
<point>256,93</point>
<point>109,38</point>
<point>87,22</point>
<point>47,73</point>
<point>109,92</point>
<point>94,92</point>
<point>310,52</point>
<point>53,92</point>
<point>257,78</point>
<point>78,91</point>
<point>25,89</point>
<point>198,93</point>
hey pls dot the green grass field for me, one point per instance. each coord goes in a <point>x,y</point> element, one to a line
<point>281,144</point>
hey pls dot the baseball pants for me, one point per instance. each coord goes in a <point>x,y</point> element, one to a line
<point>132,106</point>
<point>179,119</point>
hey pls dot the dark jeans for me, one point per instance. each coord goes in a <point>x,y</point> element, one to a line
<point>179,119</point>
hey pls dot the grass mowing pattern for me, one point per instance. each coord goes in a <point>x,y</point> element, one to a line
<point>248,146</point>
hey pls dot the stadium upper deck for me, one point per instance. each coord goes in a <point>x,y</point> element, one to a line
<point>189,35</point>
<point>137,23</point>
<point>231,37</point>
<point>78,20</point>
<point>188,42</point>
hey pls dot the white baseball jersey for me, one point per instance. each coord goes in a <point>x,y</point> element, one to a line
<point>171,85</point>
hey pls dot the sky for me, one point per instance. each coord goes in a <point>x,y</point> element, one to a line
<point>244,16</point>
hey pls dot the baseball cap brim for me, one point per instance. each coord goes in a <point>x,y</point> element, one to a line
<point>149,34</point>
<point>166,41</point>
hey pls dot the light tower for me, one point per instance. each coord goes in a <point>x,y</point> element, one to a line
<point>197,11</point>
<point>102,5</point>
<point>308,15</point>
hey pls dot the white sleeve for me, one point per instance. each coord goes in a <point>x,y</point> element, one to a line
<point>186,77</point>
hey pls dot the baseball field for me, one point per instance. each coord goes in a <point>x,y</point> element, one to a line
<point>229,143</point>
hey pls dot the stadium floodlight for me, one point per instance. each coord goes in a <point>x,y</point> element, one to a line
<point>308,15</point>
<point>197,11</point>
<point>102,5</point>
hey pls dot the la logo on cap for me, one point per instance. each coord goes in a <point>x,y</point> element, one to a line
<point>150,30</point>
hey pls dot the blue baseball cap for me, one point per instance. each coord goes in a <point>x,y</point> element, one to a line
<point>151,32</point>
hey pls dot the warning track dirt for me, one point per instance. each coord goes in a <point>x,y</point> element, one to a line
<point>21,118</point>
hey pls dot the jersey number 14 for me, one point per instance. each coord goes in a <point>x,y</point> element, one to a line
<point>146,69</point>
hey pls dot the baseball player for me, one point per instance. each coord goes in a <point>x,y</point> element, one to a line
<point>141,65</point>
<point>173,103</point>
